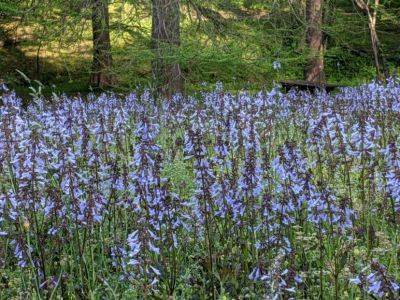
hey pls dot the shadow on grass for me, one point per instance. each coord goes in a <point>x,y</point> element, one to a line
<point>12,59</point>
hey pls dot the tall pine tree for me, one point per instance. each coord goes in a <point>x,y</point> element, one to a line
<point>102,60</point>
<point>314,71</point>
<point>165,41</point>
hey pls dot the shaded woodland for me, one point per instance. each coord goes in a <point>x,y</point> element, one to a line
<point>172,45</point>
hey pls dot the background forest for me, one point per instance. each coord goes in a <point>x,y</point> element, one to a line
<point>242,43</point>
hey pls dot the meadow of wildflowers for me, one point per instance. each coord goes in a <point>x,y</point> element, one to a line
<point>218,196</point>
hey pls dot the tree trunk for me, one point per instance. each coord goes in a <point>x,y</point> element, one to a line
<point>165,41</point>
<point>314,71</point>
<point>378,59</point>
<point>381,71</point>
<point>102,60</point>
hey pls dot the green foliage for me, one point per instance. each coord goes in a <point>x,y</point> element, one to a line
<point>231,41</point>
<point>8,8</point>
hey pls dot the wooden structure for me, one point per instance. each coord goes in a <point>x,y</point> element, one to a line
<point>303,85</point>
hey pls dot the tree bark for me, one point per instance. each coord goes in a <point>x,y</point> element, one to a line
<point>381,71</point>
<point>165,41</point>
<point>102,60</point>
<point>314,71</point>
